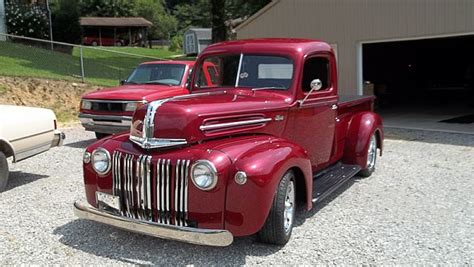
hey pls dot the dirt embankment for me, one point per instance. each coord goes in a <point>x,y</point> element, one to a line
<point>61,96</point>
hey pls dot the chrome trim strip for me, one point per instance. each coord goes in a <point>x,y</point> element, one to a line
<point>149,189</point>
<point>176,193</point>
<point>31,135</point>
<point>104,117</point>
<point>237,79</point>
<point>186,180</point>
<point>151,143</point>
<point>233,124</point>
<point>137,187</point>
<point>159,190</point>
<point>168,194</point>
<point>114,101</point>
<point>208,237</point>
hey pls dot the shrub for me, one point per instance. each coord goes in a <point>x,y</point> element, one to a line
<point>176,43</point>
<point>27,20</point>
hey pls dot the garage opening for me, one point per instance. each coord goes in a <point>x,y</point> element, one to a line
<point>426,84</point>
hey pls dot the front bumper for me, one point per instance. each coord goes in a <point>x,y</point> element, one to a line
<point>107,124</point>
<point>208,237</point>
<point>58,139</point>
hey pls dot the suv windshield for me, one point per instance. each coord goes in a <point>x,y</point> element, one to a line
<point>253,71</point>
<point>167,74</point>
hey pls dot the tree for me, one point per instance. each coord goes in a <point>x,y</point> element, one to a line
<point>195,13</point>
<point>65,17</point>
<point>164,24</point>
<point>106,8</point>
<point>219,30</point>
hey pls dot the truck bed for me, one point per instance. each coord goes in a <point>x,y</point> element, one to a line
<point>350,100</point>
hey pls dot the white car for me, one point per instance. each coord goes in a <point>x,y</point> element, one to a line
<point>25,132</point>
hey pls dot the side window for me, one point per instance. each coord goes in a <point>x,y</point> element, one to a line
<point>224,71</point>
<point>316,68</point>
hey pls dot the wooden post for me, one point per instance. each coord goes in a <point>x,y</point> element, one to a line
<point>130,36</point>
<point>115,36</point>
<point>100,36</point>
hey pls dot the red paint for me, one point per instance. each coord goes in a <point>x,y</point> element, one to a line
<point>309,138</point>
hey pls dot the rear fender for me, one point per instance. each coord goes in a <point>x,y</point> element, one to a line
<point>248,205</point>
<point>361,127</point>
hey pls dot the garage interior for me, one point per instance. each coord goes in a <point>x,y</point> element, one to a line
<point>423,84</point>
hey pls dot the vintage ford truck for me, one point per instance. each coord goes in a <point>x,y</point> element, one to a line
<point>234,158</point>
<point>109,111</point>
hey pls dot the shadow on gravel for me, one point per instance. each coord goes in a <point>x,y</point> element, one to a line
<point>18,178</point>
<point>105,241</point>
<point>81,144</point>
<point>430,137</point>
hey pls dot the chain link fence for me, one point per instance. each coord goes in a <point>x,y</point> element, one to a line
<point>106,66</point>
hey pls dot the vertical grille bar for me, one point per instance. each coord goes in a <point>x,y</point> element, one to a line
<point>114,173</point>
<point>148,188</point>
<point>137,187</point>
<point>125,184</point>
<point>177,193</point>
<point>158,190</point>
<point>130,185</point>
<point>168,193</point>
<point>185,200</point>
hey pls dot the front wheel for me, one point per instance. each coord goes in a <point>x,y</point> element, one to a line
<point>279,224</point>
<point>3,172</point>
<point>371,157</point>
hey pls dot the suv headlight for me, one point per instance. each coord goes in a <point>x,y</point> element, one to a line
<point>204,175</point>
<point>86,104</point>
<point>132,106</point>
<point>101,161</point>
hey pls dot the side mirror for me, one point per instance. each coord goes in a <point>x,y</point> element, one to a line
<point>315,85</point>
<point>122,82</point>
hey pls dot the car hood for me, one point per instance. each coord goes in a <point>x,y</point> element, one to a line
<point>136,92</point>
<point>197,117</point>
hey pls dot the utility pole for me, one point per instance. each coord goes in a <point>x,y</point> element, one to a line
<point>3,25</point>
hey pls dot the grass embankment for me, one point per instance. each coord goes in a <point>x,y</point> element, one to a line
<point>100,67</point>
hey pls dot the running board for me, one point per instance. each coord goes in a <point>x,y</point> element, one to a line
<point>329,180</point>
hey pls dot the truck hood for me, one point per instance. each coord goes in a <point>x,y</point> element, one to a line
<point>136,92</point>
<point>197,117</point>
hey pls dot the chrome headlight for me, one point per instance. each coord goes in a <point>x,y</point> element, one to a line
<point>101,161</point>
<point>86,104</point>
<point>204,175</point>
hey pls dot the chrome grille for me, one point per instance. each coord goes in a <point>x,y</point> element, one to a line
<point>151,190</point>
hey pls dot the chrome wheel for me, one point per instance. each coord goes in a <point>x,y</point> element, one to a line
<point>372,152</point>
<point>289,212</point>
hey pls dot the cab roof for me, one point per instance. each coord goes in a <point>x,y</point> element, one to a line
<point>291,45</point>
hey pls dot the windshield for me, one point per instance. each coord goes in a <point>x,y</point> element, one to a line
<point>254,71</point>
<point>166,74</point>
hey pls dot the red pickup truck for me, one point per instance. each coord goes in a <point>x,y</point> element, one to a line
<point>235,158</point>
<point>109,111</point>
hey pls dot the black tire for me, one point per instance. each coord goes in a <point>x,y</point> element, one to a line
<point>370,168</point>
<point>3,172</point>
<point>274,231</point>
<point>94,43</point>
<point>100,135</point>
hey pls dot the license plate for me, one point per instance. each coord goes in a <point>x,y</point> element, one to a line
<point>105,201</point>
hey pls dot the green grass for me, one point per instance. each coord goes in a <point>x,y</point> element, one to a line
<point>100,67</point>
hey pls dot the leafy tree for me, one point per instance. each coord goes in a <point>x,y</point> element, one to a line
<point>195,13</point>
<point>219,30</point>
<point>26,20</point>
<point>164,24</point>
<point>106,8</point>
<point>65,17</point>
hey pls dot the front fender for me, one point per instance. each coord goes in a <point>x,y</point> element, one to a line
<point>361,128</point>
<point>265,160</point>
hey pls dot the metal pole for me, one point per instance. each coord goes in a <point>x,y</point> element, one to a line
<point>50,25</point>
<point>3,25</point>
<point>82,65</point>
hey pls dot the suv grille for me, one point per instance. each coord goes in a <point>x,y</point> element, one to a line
<point>151,189</point>
<point>109,106</point>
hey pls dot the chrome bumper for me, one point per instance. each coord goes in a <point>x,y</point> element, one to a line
<point>208,237</point>
<point>58,139</point>
<point>105,123</point>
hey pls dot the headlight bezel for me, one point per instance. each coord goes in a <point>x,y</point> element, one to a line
<point>83,104</point>
<point>213,171</point>
<point>109,161</point>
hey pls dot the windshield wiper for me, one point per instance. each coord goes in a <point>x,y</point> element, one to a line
<point>267,88</point>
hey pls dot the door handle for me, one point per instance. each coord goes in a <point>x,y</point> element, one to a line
<point>334,106</point>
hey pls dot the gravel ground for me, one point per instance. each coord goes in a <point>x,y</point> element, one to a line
<point>416,208</point>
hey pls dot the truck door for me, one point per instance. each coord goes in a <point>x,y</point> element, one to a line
<point>311,122</point>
